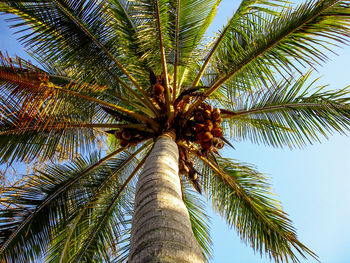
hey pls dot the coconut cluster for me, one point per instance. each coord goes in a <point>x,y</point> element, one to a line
<point>130,136</point>
<point>158,89</point>
<point>205,128</point>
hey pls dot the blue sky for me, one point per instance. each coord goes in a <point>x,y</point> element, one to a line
<point>312,183</point>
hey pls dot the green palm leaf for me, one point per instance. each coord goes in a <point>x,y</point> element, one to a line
<point>243,198</point>
<point>199,218</point>
<point>290,114</point>
<point>144,70</point>
<point>91,43</point>
<point>267,42</point>
<point>71,234</point>
<point>56,192</point>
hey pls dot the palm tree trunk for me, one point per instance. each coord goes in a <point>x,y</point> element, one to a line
<point>161,227</point>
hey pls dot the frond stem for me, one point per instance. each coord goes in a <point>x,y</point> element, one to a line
<point>118,108</point>
<point>162,51</point>
<point>211,53</point>
<point>99,44</point>
<point>176,49</point>
<point>221,80</point>
<point>232,114</point>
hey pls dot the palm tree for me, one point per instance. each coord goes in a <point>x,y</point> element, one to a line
<point>142,79</point>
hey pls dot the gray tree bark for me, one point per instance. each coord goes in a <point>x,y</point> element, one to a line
<point>161,227</point>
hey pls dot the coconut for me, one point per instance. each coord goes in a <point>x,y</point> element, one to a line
<point>158,89</point>
<point>207,114</point>
<point>123,143</point>
<point>199,117</point>
<point>215,115</point>
<point>218,120</point>
<point>217,143</point>
<point>217,132</point>
<point>207,136</point>
<point>208,125</point>
<point>126,135</point>
<point>206,145</point>
<point>199,127</point>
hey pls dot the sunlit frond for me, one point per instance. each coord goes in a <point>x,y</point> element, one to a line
<point>293,113</point>
<point>244,199</point>
<point>266,43</point>
<point>199,218</point>
<point>68,194</point>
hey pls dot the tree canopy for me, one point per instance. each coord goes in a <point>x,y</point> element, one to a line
<point>125,72</point>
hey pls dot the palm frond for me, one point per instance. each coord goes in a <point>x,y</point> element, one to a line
<point>193,21</point>
<point>44,200</point>
<point>71,233</point>
<point>246,8</point>
<point>291,114</point>
<point>83,39</point>
<point>127,30</point>
<point>99,226</point>
<point>265,43</point>
<point>244,199</point>
<point>31,84</point>
<point>199,218</point>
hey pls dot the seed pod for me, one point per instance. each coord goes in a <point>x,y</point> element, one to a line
<point>186,169</point>
<point>208,125</point>
<point>123,143</point>
<point>216,110</point>
<point>158,89</point>
<point>182,156</point>
<point>170,78</point>
<point>207,115</point>
<point>215,116</point>
<point>217,132</point>
<point>199,117</point>
<point>219,120</point>
<point>199,127</point>
<point>186,99</point>
<point>217,143</point>
<point>126,135</point>
<point>208,107</point>
<point>192,174</point>
<point>118,134</point>
<point>206,145</point>
<point>207,136</point>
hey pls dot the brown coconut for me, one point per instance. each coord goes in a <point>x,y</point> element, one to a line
<point>126,135</point>
<point>207,114</point>
<point>206,145</point>
<point>208,125</point>
<point>207,136</point>
<point>217,143</point>
<point>199,127</point>
<point>123,143</point>
<point>199,117</point>
<point>158,89</point>
<point>217,132</point>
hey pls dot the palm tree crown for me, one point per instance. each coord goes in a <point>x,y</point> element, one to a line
<point>127,73</point>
